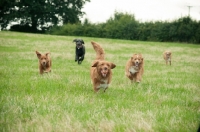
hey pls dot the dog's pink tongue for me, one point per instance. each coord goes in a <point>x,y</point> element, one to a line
<point>103,74</point>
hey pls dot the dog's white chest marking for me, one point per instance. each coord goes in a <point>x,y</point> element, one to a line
<point>104,84</point>
<point>133,70</point>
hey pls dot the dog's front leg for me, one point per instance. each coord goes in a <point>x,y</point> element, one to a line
<point>76,54</point>
<point>166,62</point>
<point>105,89</point>
<point>96,87</point>
<point>41,70</point>
<point>76,57</point>
<point>48,70</point>
<point>48,67</point>
<point>82,58</point>
<point>138,77</point>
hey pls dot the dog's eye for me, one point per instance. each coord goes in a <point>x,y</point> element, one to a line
<point>43,58</point>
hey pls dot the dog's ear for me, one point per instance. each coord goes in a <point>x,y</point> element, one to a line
<point>47,53</point>
<point>112,65</point>
<point>82,41</point>
<point>74,40</point>
<point>38,54</point>
<point>132,58</point>
<point>95,64</point>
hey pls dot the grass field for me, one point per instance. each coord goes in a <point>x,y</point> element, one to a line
<point>167,99</point>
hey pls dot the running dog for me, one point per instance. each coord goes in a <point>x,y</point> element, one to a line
<point>167,55</point>
<point>79,50</point>
<point>100,70</point>
<point>44,62</point>
<point>134,68</point>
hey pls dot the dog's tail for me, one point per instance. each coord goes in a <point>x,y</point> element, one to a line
<point>99,51</point>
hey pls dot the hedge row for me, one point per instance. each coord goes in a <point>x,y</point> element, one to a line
<point>124,26</point>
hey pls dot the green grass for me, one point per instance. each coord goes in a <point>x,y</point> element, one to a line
<point>167,99</point>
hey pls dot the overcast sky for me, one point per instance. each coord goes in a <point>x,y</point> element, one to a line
<point>98,11</point>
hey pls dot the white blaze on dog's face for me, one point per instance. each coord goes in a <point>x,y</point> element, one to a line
<point>137,59</point>
<point>104,67</point>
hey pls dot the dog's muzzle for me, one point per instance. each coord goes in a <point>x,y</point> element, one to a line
<point>43,63</point>
<point>136,63</point>
<point>79,45</point>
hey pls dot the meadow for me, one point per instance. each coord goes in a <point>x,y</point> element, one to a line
<point>167,99</point>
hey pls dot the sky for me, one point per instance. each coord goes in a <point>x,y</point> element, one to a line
<point>99,11</point>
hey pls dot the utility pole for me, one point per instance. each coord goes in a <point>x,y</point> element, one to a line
<point>189,10</point>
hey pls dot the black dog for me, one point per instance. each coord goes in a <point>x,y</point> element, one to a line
<point>80,50</point>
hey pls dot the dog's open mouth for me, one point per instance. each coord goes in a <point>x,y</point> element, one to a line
<point>103,74</point>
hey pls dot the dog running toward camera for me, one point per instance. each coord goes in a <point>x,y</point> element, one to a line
<point>100,70</point>
<point>134,68</point>
<point>79,50</point>
<point>167,55</point>
<point>44,62</point>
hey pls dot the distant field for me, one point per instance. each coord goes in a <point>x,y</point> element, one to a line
<point>167,99</point>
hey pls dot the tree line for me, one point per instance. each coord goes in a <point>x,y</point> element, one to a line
<point>39,15</point>
<point>125,26</point>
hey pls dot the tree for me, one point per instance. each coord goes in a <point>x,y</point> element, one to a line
<point>121,26</point>
<point>40,13</point>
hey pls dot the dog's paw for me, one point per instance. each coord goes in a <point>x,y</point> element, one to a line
<point>128,74</point>
<point>79,62</point>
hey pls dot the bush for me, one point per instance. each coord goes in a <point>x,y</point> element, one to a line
<point>124,26</point>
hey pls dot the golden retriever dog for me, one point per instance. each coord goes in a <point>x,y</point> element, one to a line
<point>44,62</point>
<point>134,68</point>
<point>100,70</point>
<point>167,55</point>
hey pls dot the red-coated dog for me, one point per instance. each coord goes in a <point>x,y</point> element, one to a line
<point>100,70</point>
<point>134,68</point>
<point>167,55</point>
<point>44,62</point>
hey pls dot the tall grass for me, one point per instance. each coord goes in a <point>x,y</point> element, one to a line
<point>167,99</point>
